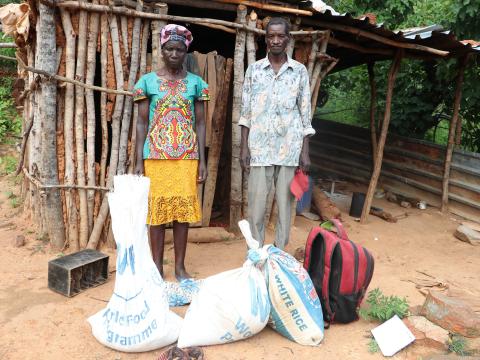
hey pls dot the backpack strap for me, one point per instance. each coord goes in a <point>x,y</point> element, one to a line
<point>341,232</point>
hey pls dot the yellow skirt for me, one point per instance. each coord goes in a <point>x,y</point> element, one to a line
<point>173,191</point>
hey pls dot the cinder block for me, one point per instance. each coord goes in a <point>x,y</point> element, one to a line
<point>71,274</point>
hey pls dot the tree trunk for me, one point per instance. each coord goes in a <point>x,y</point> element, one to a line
<point>373,109</point>
<point>91,120</point>
<point>453,129</point>
<point>36,145</point>
<point>383,136</point>
<point>52,205</point>
<point>238,78</point>
<point>71,209</point>
<point>79,126</point>
<point>127,110</point>
<point>116,119</point>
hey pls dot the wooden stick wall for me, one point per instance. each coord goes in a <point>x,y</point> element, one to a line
<point>115,47</point>
<point>96,130</point>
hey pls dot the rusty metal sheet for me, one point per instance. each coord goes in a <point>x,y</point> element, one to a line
<point>411,167</point>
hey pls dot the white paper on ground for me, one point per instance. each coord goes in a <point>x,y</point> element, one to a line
<point>392,336</point>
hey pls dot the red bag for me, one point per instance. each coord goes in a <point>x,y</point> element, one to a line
<point>340,270</point>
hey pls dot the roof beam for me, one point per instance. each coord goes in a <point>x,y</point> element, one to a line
<point>370,35</point>
<point>269,7</point>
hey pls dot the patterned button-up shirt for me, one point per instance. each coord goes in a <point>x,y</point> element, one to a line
<point>277,110</point>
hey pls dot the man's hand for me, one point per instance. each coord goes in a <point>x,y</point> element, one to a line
<point>245,158</point>
<point>202,172</point>
<point>139,168</point>
<point>305,162</point>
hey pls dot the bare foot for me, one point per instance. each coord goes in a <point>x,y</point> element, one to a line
<point>181,274</point>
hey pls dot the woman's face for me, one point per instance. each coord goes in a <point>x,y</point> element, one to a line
<point>174,53</point>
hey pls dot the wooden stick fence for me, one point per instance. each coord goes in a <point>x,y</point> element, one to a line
<point>89,156</point>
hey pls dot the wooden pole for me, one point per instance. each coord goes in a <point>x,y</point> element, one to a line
<point>251,49</point>
<point>79,126</point>
<point>103,97</point>
<point>91,119</point>
<point>202,4</point>
<point>383,136</point>
<point>318,83</point>
<point>65,79</point>
<point>462,64</point>
<point>51,201</point>
<point>157,25</point>
<point>313,55</point>
<point>251,58</point>
<point>124,33</point>
<point>218,127</point>
<point>291,44</point>
<point>127,110</point>
<point>373,109</point>
<point>238,78</point>
<point>142,70</point>
<point>458,133</point>
<point>359,48</point>
<point>68,131</point>
<point>263,6</point>
<point>163,17</point>
<point>315,79</point>
<point>372,36</point>
<point>116,123</point>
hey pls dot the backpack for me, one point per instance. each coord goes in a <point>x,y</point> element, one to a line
<point>340,270</point>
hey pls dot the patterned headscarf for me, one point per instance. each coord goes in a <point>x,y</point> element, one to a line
<point>173,32</point>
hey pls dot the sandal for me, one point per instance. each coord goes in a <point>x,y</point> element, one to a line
<point>175,353</point>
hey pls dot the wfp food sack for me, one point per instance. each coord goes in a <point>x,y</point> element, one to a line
<point>230,306</point>
<point>137,317</point>
<point>296,312</point>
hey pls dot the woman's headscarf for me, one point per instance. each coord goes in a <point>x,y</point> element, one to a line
<point>174,32</point>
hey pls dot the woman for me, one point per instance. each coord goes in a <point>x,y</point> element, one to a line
<point>170,146</point>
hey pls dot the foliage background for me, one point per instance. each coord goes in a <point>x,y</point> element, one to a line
<point>423,95</point>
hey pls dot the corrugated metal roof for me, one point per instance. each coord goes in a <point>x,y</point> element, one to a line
<point>434,36</point>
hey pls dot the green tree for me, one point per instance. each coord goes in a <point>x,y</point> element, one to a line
<point>423,95</point>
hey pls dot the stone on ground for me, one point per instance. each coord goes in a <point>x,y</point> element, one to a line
<point>467,234</point>
<point>452,314</point>
<point>427,333</point>
<point>19,241</point>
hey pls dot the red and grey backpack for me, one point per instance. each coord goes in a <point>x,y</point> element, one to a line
<point>340,270</point>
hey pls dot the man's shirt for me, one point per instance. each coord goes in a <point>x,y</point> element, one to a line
<point>277,109</point>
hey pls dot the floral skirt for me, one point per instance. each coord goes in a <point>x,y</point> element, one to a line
<point>173,191</point>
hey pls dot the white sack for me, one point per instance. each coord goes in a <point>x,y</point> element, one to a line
<point>230,306</point>
<point>137,317</point>
<point>296,311</point>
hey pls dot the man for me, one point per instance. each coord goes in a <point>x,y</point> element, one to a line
<point>276,126</point>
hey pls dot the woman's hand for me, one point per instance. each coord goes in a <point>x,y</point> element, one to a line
<point>202,172</point>
<point>139,168</point>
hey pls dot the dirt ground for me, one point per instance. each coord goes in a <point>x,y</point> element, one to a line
<point>38,323</point>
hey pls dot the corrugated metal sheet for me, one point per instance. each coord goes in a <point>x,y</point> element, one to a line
<point>433,36</point>
<point>410,167</point>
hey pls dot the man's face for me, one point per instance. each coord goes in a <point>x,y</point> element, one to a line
<point>277,39</point>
